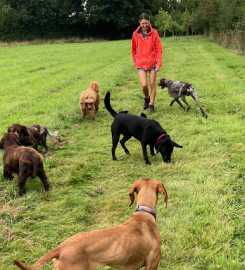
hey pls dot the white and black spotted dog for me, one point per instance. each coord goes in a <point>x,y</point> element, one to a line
<point>180,90</point>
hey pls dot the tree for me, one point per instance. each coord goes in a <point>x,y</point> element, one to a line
<point>9,22</point>
<point>117,18</point>
<point>186,16</point>
<point>162,20</point>
<point>206,15</point>
<point>174,27</point>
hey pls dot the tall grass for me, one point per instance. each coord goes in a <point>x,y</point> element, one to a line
<point>232,39</point>
<point>203,225</point>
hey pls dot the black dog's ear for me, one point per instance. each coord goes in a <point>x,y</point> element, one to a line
<point>143,115</point>
<point>157,147</point>
<point>176,145</point>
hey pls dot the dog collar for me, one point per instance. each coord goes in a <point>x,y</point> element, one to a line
<point>146,209</point>
<point>161,137</point>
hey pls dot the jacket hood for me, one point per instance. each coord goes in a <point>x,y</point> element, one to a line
<point>138,30</point>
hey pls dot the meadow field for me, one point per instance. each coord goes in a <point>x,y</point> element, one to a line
<point>203,224</point>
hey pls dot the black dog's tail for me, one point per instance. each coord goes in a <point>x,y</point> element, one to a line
<point>108,105</point>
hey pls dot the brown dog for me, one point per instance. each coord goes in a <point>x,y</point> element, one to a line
<point>25,162</point>
<point>32,135</point>
<point>131,245</point>
<point>90,100</point>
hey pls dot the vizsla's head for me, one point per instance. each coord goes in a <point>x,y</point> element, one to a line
<point>149,189</point>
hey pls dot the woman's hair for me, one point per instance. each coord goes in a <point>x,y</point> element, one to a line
<point>144,16</point>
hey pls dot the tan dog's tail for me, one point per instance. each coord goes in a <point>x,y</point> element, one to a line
<point>54,253</point>
<point>95,86</point>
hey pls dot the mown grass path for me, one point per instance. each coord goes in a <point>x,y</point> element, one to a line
<point>203,225</point>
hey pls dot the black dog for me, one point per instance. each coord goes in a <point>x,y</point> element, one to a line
<point>148,132</point>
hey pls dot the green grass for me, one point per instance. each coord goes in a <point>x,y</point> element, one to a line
<point>203,225</point>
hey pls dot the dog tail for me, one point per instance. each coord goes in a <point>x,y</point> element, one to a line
<point>108,105</point>
<point>36,160</point>
<point>51,135</point>
<point>95,86</point>
<point>54,253</point>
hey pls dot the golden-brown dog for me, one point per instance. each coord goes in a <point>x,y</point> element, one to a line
<point>129,246</point>
<point>25,162</point>
<point>90,100</point>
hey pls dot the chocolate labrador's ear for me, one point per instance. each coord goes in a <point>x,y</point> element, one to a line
<point>24,131</point>
<point>131,193</point>
<point>161,189</point>
<point>176,145</point>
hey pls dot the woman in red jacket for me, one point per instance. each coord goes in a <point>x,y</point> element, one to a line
<point>147,56</point>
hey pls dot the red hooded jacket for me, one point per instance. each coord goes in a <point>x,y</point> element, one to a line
<point>146,53</point>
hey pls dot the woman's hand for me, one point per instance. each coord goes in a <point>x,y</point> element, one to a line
<point>157,68</point>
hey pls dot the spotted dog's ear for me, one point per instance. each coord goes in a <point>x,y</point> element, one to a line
<point>162,83</point>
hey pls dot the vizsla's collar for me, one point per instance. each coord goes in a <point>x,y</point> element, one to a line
<point>146,209</point>
<point>161,137</point>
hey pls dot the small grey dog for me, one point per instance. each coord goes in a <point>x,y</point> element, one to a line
<point>180,90</point>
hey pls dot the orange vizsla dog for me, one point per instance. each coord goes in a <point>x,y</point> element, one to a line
<point>129,246</point>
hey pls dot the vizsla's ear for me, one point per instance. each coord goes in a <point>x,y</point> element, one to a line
<point>161,189</point>
<point>131,193</point>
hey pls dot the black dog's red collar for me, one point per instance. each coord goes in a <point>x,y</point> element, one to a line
<point>161,137</point>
